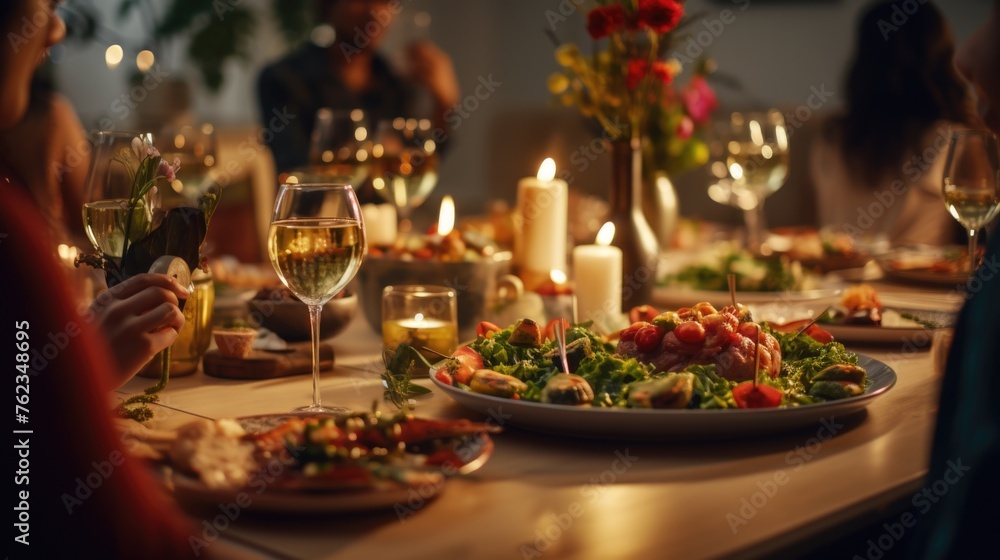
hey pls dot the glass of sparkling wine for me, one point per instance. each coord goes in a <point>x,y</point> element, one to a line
<point>425,317</point>
<point>107,190</point>
<point>316,242</point>
<point>971,177</point>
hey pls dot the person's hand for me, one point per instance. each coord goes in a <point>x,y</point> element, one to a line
<point>431,67</point>
<point>139,317</point>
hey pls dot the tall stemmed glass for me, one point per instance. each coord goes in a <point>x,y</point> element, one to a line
<point>752,165</point>
<point>339,150</point>
<point>107,191</point>
<point>405,165</point>
<point>316,242</point>
<point>972,182</point>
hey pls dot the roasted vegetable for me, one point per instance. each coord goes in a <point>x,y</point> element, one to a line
<point>527,334</point>
<point>672,391</point>
<point>576,351</point>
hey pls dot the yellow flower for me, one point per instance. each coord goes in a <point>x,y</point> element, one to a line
<point>674,66</point>
<point>567,99</point>
<point>699,153</point>
<point>567,55</point>
<point>558,83</point>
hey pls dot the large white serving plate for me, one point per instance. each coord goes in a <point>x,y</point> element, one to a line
<point>628,423</point>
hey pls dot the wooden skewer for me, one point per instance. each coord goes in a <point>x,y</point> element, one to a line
<point>731,278</point>
<point>756,348</point>
<point>813,322</point>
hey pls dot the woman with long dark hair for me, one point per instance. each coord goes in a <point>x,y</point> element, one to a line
<point>876,166</point>
<point>77,491</point>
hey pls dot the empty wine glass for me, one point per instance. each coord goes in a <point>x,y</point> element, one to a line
<point>108,189</point>
<point>751,163</point>
<point>316,242</point>
<point>971,177</point>
<point>405,163</point>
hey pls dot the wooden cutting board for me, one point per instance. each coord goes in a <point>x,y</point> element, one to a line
<point>297,359</point>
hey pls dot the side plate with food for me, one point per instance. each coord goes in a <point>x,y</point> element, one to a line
<point>301,464</point>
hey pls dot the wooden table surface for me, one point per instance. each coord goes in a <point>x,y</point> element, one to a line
<point>543,496</point>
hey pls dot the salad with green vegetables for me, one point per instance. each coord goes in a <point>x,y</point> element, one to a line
<point>811,372</point>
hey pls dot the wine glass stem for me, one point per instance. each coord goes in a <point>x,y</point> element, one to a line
<point>314,311</point>
<point>754,218</point>
<point>972,252</point>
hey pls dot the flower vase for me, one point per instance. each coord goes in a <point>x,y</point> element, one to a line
<point>633,234</point>
<point>661,207</point>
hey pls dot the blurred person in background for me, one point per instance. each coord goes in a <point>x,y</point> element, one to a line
<point>72,436</point>
<point>965,455</point>
<point>877,167</point>
<point>345,72</point>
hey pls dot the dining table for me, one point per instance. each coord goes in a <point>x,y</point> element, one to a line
<point>543,495</point>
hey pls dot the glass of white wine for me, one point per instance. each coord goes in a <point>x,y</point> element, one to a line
<point>316,242</point>
<point>107,190</point>
<point>751,165</point>
<point>339,150</point>
<point>971,177</point>
<point>405,163</point>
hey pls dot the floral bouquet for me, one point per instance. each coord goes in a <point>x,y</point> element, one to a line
<point>630,86</point>
<point>146,234</point>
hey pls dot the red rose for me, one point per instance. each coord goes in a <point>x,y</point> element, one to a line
<point>662,72</point>
<point>636,72</point>
<point>685,128</point>
<point>604,21</point>
<point>660,15</point>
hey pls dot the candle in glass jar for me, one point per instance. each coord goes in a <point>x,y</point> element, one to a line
<point>419,332</point>
<point>541,222</point>
<point>598,272</point>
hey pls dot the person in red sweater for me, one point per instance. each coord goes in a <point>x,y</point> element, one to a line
<point>76,489</point>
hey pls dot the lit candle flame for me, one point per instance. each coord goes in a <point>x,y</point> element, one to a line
<point>446,219</point>
<point>558,277</point>
<point>547,171</point>
<point>418,317</point>
<point>606,235</point>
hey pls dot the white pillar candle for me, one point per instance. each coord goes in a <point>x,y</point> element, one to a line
<point>598,272</point>
<point>541,221</point>
<point>380,224</point>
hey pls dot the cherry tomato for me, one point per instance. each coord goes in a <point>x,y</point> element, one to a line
<point>748,395</point>
<point>550,329</point>
<point>690,332</point>
<point>648,338</point>
<point>463,364</point>
<point>628,333</point>
<point>819,334</point>
<point>486,329</point>
<point>443,376</point>
<point>642,313</point>
<point>423,254</point>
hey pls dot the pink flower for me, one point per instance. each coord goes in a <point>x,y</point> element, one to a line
<point>660,15</point>
<point>604,21</point>
<point>169,172</point>
<point>699,100</point>
<point>685,128</point>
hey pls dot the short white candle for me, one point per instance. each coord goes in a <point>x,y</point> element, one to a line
<point>380,224</point>
<point>598,272</point>
<point>541,221</point>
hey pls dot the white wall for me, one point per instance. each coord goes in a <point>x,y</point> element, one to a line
<point>776,49</point>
